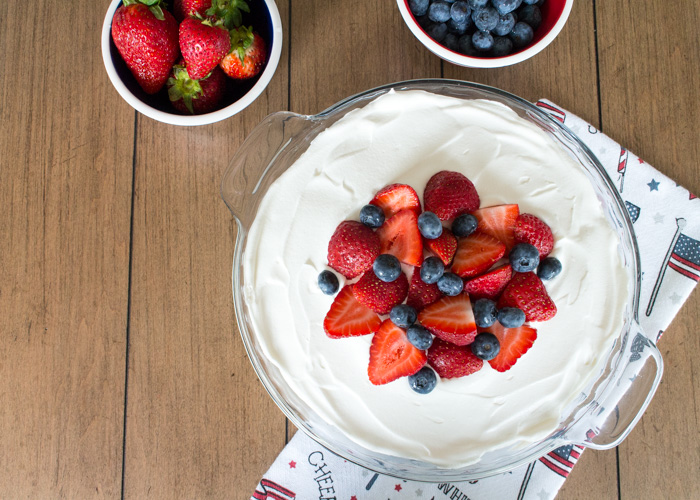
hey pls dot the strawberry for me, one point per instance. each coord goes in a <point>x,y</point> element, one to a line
<point>195,97</point>
<point>247,56</point>
<point>499,222</point>
<point>451,319</point>
<point>204,43</point>
<point>530,229</point>
<point>348,318</point>
<point>514,343</point>
<point>186,8</point>
<point>421,294</point>
<point>392,356</point>
<point>400,237</point>
<point>352,248</point>
<point>396,197</point>
<point>527,292</point>
<point>444,246</point>
<point>489,285</point>
<point>452,361</point>
<point>378,295</point>
<point>449,194</point>
<point>146,38</point>
<point>476,253</point>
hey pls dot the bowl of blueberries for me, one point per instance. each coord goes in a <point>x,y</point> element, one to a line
<point>485,33</point>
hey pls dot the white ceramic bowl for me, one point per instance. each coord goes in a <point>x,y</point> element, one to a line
<point>239,95</point>
<point>554,16</point>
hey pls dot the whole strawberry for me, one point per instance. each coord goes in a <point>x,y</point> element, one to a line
<point>196,97</point>
<point>185,8</point>
<point>204,43</point>
<point>247,56</point>
<point>147,39</point>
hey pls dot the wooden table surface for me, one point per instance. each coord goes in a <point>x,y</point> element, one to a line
<point>121,370</point>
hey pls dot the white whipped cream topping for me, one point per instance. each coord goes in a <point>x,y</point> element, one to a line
<point>406,137</point>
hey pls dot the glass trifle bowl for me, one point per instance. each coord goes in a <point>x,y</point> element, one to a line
<point>598,413</point>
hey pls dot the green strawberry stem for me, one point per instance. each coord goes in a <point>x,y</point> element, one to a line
<point>241,39</point>
<point>229,11</point>
<point>155,6</point>
<point>183,87</point>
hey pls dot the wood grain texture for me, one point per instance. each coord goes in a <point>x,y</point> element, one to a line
<point>66,147</point>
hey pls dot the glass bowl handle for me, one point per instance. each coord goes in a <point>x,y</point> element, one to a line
<point>624,401</point>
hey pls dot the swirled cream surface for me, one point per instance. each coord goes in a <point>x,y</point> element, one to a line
<point>406,137</point>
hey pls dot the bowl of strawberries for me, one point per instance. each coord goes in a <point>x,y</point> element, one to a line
<point>194,63</point>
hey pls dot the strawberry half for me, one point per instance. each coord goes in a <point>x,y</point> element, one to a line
<point>514,343</point>
<point>452,361</point>
<point>400,237</point>
<point>531,229</point>
<point>449,194</point>
<point>379,295</point>
<point>396,197</point>
<point>392,356</point>
<point>489,285</point>
<point>476,253</point>
<point>499,222</point>
<point>451,319</point>
<point>352,248</point>
<point>444,246</point>
<point>527,292</point>
<point>421,294</point>
<point>348,318</point>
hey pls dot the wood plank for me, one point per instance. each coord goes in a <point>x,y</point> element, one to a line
<point>649,69</point>
<point>199,423</point>
<point>66,142</point>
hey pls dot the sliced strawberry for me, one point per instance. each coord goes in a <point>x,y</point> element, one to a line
<point>421,294</point>
<point>448,194</point>
<point>348,318</point>
<point>392,356</point>
<point>451,319</point>
<point>499,222</point>
<point>396,197</point>
<point>452,361</point>
<point>352,248</point>
<point>401,237</point>
<point>379,295</point>
<point>514,343</point>
<point>476,253</point>
<point>531,229</point>
<point>527,292</point>
<point>444,246</point>
<point>489,285</point>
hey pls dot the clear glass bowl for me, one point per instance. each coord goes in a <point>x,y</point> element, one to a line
<point>600,417</point>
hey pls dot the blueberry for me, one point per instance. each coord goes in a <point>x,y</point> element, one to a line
<point>530,14</point>
<point>437,31</point>
<point>424,22</point>
<point>530,2</point>
<point>511,317</point>
<point>464,225</point>
<point>387,267</point>
<point>484,313</point>
<point>482,41</point>
<point>418,7</point>
<point>429,225</point>
<point>524,258</point>
<point>505,24</point>
<point>466,47</point>
<point>477,4</point>
<point>521,35</point>
<point>460,11</point>
<point>423,381</point>
<point>432,270</point>
<point>502,46</point>
<point>458,28</point>
<point>485,19</point>
<point>403,315</point>
<point>506,6</point>
<point>451,42</point>
<point>450,284</point>
<point>372,216</point>
<point>549,268</point>
<point>420,337</point>
<point>328,282</point>
<point>486,346</point>
<point>439,12</point>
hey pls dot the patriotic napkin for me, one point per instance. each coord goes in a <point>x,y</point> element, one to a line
<point>666,220</point>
